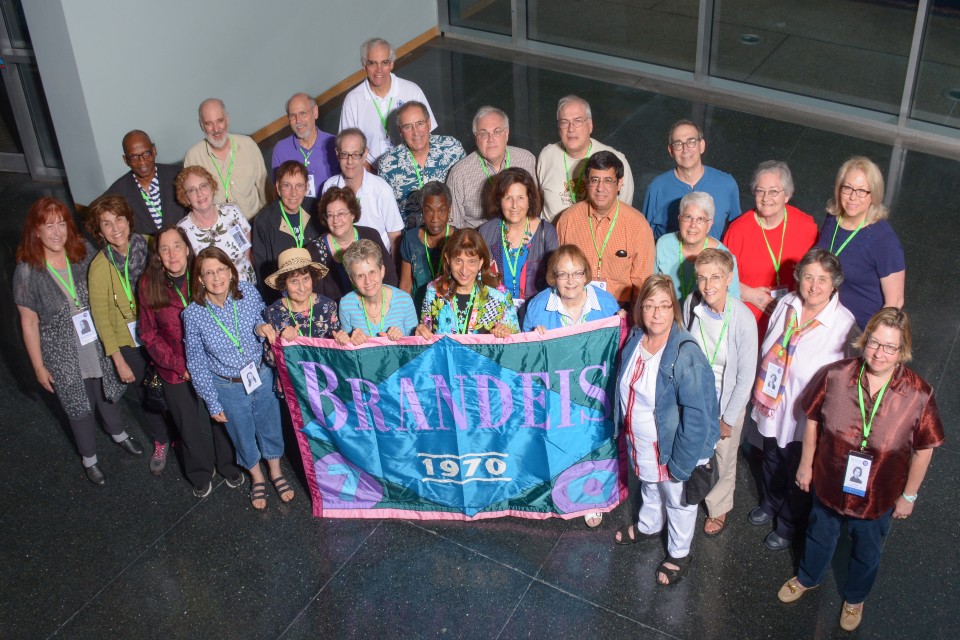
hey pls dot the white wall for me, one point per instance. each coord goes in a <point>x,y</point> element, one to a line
<point>108,67</point>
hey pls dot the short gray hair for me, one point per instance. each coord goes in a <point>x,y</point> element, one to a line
<point>350,131</point>
<point>573,99</point>
<point>216,101</point>
<point>701,200</point>
<point>827,261</point>
<point>487,110</point>
<point>359,251</point>
<point>774,166</point>
<point>375,42</point>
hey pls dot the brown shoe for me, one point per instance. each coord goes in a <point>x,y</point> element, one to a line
<point>792,590</point>
<point>851,616</point>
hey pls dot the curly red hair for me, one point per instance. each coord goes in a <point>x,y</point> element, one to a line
<point>44,211</point>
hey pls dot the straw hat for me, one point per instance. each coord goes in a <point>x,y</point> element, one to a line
<point>291,260</point>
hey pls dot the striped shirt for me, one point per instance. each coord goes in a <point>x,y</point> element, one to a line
<point>400,314</point>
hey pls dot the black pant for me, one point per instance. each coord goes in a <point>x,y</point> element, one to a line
<point>85,427</point>
<point>205,445</point>
<point>782,498</point>
<point>154,424</point>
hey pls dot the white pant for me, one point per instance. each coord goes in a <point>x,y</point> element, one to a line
<point>665,500</point>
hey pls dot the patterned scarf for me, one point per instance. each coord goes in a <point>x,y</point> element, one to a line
<point>767,394</point>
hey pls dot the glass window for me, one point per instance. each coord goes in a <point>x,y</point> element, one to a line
<point>485,15</point>
<point>937,95</point>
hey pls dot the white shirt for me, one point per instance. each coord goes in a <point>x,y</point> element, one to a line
<point>359,111</point>
<point>711,325</point>
<point>642,438</point>
<point>378,208</point>
<point>818,347</point>
<point>553,177</point>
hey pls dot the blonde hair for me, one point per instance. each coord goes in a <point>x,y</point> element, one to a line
<point>874,178</point>
<point>895,319</point>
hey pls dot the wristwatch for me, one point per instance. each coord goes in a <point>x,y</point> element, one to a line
<point>910,499</point>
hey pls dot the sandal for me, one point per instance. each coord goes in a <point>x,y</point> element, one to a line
<point>283,489</point>
<point>630,535</point>
<point>673,576</point>
<point>719,523</point>
<point>258,492</point>
<point>593,520</point>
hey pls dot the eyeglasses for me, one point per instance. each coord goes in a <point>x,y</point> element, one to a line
<point>300,115</point>
<point>715,279</point>
<point>848,190</point>
<point>763,193</point>
<point>663,308</point>
<point>573,275</point>
<point>137,157</point>
<point>576,123</point>
<point>338,215</point>
<point>689,143</point>
<point>200,188</point>
<point>596,181</point>
<point>297,186</point>
<point>219,271</point>
<point>350,156</point>
<point>377,63</point>
<point>696,221</point>
<point>410,126</point>
<point>485,135</point>
<point>889,349</point>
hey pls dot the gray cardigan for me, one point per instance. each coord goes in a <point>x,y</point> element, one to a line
<point>742,350</point>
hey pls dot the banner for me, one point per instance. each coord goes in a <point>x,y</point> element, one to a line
<point>467,427</point>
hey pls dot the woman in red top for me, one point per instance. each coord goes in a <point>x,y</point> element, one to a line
<point>164,291</point>
<point>871,428</point>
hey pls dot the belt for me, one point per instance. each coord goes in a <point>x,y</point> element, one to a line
<point>235,380</point>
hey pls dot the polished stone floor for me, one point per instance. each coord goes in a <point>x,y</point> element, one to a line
<point>142,558</point>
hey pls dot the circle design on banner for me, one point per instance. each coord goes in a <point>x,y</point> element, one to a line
<point>586,485</point>
<point>344,485</point>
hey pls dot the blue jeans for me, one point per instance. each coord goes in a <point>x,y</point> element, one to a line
<point>823,531</point>
<point>253,421</point>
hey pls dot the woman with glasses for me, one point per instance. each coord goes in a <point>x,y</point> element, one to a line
<point>339,210</point>
<point>726,331</point>
<point>871,425</point>
<point>769,241</point>
<point>808,330</point>
<point>667,405</point>
<point>214,225</point>
<point>421,249</point>
<point>677,251</point>
<point>520,242</point>
<point>857,232</point>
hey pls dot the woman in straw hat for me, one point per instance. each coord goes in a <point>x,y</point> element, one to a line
<point>300,311</point>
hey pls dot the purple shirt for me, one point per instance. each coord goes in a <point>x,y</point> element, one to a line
<point>322,159</point>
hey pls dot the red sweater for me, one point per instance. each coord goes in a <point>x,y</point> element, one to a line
<point>161,332</point>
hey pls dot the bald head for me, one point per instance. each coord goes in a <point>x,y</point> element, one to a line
<point>140,154</point>
<point>215,122</point>
<point>133,137</point>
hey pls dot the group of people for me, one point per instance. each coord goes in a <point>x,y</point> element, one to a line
<point>389,230</point>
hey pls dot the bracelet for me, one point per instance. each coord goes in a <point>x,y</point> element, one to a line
<point>910,499</point>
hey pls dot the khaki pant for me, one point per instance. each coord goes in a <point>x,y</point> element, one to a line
<point>720,499</point>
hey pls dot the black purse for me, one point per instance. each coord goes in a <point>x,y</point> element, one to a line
<point>702,481</point>
<point>153,398</point>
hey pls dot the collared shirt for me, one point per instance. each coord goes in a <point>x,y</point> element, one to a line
<point>396,167</point>
<point>378,207</point>
<point>223,235</point>
<point>359,111</point>
<point>907,420</point>
<point>320,159</point>
<point>467,181</point>
<point>661,204</point>
<point>271,236</point>
<point>624,274</point>
<point>554,177</point>
<point>152,197</point>
<point>546,309</point>
<point>247,180</point>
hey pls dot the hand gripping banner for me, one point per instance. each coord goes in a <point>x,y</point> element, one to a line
<point>464,428</point>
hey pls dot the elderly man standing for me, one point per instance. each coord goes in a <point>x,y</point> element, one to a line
<point>369,105</point>
<point>313,148</point>
<point>685,144</point>
<point>148,187</point>
<point>471,179</point>
<point>561,165</point>
<point>614,236</point>
<point>378,208</point>
<point>234,159</point>
<point>421,158</point>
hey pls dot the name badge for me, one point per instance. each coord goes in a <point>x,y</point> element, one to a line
<point>83,324</point>
<point>311,187</point>
<point>857,473</point>
<point>566,199</point>
<point>599,284</point>
<point>132,328</point>
<point>771,383</point>
<point>518,302</point>
<point>250,378</point>
<point>776,294</point>
<point>240,238</point>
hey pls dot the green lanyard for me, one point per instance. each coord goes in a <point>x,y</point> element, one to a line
<point>855,231</point>
<point>426,250</point>
<point>125,278</point>
<point>565,321</point>
<point>684,286</point>
<point>512,266</point>
<point>593,237</point>
<point>416,168</point>
<point>791,327</point>
<point>337,251</point>
<point>723,330</point>
<point>149,202</point>
<point>306,156</point>
<point>863,414</point>
<point>235,339</point>
<point>383,314</point>
<point>294,319</point>
<point>380,114</point>
<point>297,231</point>
<point>483,165</point>
<point>783,234</point>
<point>216,165</point>
<point>463,326</point>
<point>566,172</point>
<point>177,289</point>
<point>71,289</point>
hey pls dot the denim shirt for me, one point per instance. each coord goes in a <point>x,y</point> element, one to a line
<point>686,412</point>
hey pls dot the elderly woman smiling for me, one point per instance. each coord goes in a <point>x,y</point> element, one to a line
<point>676,252</point>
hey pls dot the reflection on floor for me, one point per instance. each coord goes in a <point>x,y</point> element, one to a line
<point>143,558</point>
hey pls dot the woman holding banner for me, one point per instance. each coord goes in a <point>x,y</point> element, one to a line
<point>667,403</point>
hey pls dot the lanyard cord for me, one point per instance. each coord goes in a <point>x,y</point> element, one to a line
<point>783,234</point>
<point>71,288</point>
<point>297,231</point>
<point>125,278</point>
<point>216,165</point>
<point>294,319</point>
<point>566,171</point>
<point>383,313</point>
<point>426,250</point>
<point>723,330</point>
<point>867,426</point>
<point>512,266</point>
<point>593,237</point>
<point>833,239</point>
<point>235,339</point>
<point>177,289</point>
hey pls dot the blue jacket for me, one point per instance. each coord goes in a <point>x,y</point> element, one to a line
<point>686,413</point>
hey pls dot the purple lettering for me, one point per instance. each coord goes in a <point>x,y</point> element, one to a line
<point>407,391</point>
<point>564,376</point>
<point>529,411</point>
<point>594,392</point>
<point>443,393</point>
<point>483,394</point>
<point>361,405</point>
<point>316,396</point>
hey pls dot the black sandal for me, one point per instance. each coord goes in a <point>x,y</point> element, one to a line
<point>258,491</point>
<point>283,488</point>
<point>630,535</point>
<point>673,575</point>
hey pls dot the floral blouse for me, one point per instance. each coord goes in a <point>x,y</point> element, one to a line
<point>490,307</point>
<point>325,322</point>
<point>230,230</point>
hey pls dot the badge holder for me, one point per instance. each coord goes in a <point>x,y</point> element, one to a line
<point>83,325</point>
<point>132,328</point>
<point>311,187</point>
<point>773,380</point>
<point>240,238</point>
<point>776,294</point>
<point>250,378</point>
<point>857,473</point>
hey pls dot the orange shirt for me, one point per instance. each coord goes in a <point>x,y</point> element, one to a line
<point>629,254</point>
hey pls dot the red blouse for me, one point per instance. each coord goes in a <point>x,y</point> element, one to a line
<point>161,332</point>
<point>907,420</point>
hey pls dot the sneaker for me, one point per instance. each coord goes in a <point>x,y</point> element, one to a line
<point>233,483</point>
<point>203,493</point>
<point>158,461</point>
